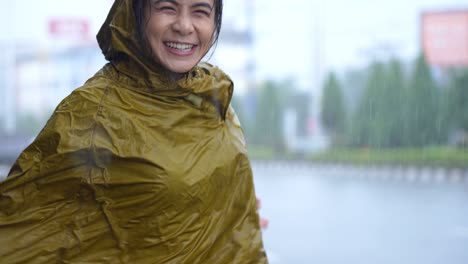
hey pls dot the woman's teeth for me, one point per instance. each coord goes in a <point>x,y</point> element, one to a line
<point>179,46</point>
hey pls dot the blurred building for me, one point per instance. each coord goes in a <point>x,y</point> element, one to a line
<point>49,51</point>
<point>235,50</point>
<point>444,38</point>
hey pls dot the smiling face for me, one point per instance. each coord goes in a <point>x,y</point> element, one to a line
<point>179,32</point>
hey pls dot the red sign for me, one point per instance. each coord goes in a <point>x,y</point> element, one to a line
<point>69,27</point>
<point>445,38</point>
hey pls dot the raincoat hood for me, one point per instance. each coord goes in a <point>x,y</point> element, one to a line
<point>118,37</point>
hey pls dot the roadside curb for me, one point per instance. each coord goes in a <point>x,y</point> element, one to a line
<point>410,174</point>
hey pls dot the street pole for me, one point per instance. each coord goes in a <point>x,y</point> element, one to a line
<point>251,68</point>
<point>318,135</point>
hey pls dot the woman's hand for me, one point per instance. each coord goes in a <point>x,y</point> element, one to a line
<point>263,221</point>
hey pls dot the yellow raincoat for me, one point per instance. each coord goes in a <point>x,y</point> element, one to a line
<point>133,168</point>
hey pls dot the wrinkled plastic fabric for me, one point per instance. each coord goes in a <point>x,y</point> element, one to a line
<point>131,168</point>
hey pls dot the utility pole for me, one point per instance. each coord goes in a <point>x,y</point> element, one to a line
<point>10,98</point>
<point>251,67</point>
<point>8,72</point>
<point>319,139</point>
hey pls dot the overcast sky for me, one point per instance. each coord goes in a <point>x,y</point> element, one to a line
<point>292,37</point>
<point>348,33</point>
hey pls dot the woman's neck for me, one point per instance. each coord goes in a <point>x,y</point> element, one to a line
<point>174,76</point>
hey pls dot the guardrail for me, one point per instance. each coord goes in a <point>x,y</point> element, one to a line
<point>409,174</point>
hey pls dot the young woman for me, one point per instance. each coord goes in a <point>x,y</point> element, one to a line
<point>146,162</point>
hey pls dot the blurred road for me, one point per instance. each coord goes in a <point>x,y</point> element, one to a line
<point>325,215</point>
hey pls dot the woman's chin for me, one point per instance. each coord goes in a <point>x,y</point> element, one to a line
<point>182,68</point>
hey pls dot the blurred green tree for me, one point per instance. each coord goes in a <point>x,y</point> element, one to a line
<point>268,122</point>
<point>237,104</point>
<point>457,106</point>
<point>28,124</point>
<point>368,127</point>
<point>394,100</point>
<point>300,103</point>
<point>247,122</point>
<point>423,118</point>
<point>333,113</point>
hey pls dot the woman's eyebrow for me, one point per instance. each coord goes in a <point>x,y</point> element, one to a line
<point>166,1</point>
<point>174,2</point>
<point>203,4</point>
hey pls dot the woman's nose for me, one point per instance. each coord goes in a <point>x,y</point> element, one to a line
<point>183,24</point>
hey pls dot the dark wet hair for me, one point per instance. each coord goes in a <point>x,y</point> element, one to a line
<point>139,13</point>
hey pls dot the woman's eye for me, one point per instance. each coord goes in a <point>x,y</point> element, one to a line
<point>203,12</point>
<point>166,8</point>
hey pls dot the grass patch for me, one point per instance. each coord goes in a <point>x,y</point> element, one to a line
<point>433,156</point>
<point>261,152</point>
